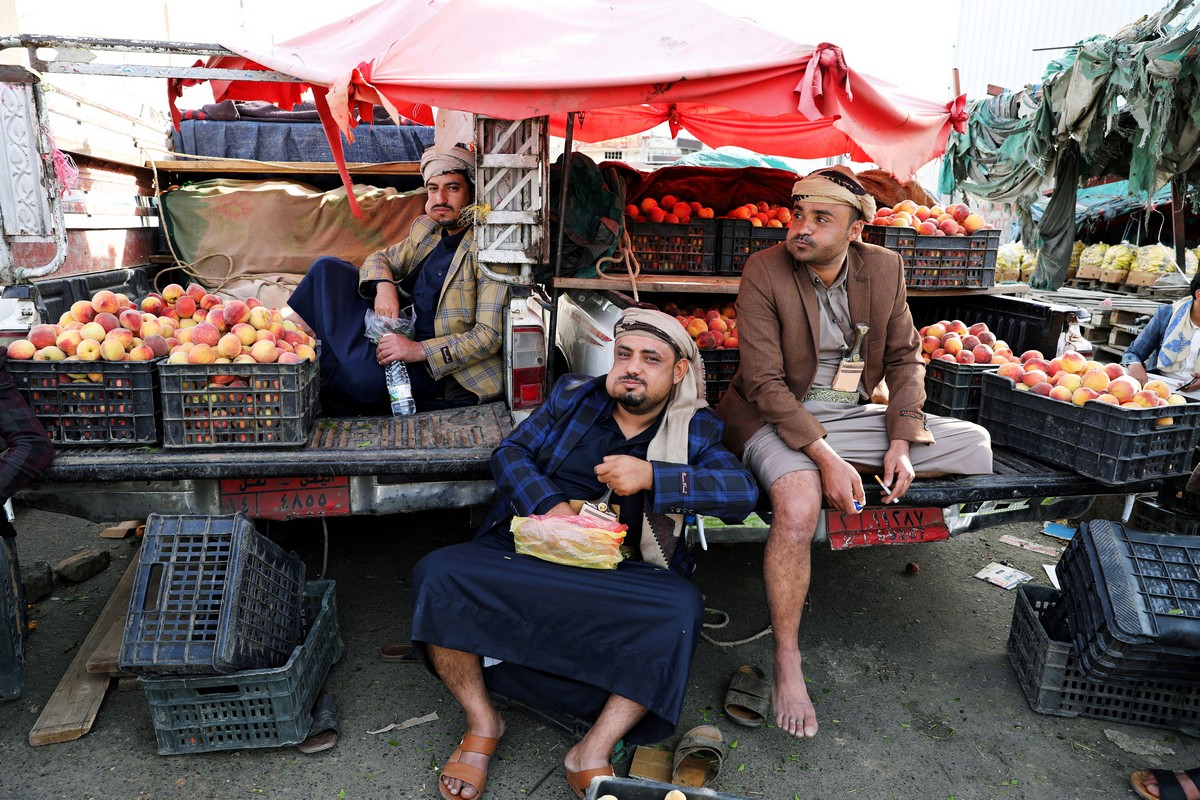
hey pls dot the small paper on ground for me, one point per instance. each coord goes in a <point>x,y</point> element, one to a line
<point>1025,544</point>
<point>1058,530</point>
<point>408,723</point>
<point>1003,576</point>
<point>1052,574</point>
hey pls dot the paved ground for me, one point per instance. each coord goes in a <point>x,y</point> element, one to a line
<point>913,687</point>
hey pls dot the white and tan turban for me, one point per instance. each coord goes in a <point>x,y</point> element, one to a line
<point>837,185</point>
<point>456,159</point>
<point>670,443</point>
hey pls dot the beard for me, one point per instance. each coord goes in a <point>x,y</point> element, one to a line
<point>639,402</point>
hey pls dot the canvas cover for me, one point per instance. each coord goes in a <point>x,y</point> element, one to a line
<point>625,65</point>
<point>258,238</point>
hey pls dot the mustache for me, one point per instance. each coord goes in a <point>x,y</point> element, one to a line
<point>632,378</point>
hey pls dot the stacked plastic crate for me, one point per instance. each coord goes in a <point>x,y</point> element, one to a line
<point>231,644</point>
<point>1122,639</point>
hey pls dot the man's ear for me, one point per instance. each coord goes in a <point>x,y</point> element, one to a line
<point>681,370</point>
<point>856,229</point>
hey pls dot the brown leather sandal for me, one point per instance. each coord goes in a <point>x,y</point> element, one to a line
<point>748,700</point>
<point>466,773</point>
<point>579,781</point>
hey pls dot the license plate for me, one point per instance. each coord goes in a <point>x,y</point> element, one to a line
<point>287,498</point>
<point>885,525</point>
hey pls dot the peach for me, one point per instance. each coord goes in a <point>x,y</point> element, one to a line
<point>245,333</point>
<point>93,330</point>
<point>201,354</point>
<point>308,354</point>
<point>264,352</point>
<point>1176,400</point>
<point>1028,354</point>
<point>1083,394</point>
<point>107,321</point>
<point>260,317</point>
<point>948,227</point>
<point>1044,388</point>
<point>1061,393</point>
<point>928,344</point>
<point>51,353</point>
<point>130,319</point>
<point>236,311</point>
<point>1073,361</point>
<point>112,350</point>
<point>1159,388</point>
<point>270,337</point>
<point>88,350</point>
<point>937,330</point>
<point>1124,388</point>
<point>952,358</point>
<point>978,328</point>
<point>122,335</point>
<point>289,358</point>
<point>245,358</point>
<point>206,333</point>
<point>185,306</point>
<point>1011,371</point>
<point>1020,387</point>
<point>960,212</point>
<point>1070,380</point>
<point>83,311</point>
<point>1033,377</point>
<point>123,301</point>
<point>973,222</point>
<point>1146,398</point>
<point>1096,380</point>
<point>705,341</point>
<point>216,316</point>
<point>153,304</point>
<point>970,342</point>
<point>1093,365</point>
<point>172,292</point>
<point>195,291</point>
<point>21,350</point>
<point>1038,364</point>
<point>983,354</point>
<point>1114,371</point>
<point>717,324</point>
<point>958,326</point>
<point>965,357</point>
<point>1055,367</point>
<point>179,357</point>
<point>157,344</point>
<point>927,228</point>
<point>987,337</point>
<point>952,343</point>
<point>42,335</point>
<point>105,302</point>
<point>151,327</point>
<point>141,353</point>
<point>229,346</point>
<point>1108,398</point>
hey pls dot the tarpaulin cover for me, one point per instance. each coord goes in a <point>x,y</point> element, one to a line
<point>627,65</point>
<point>297,141</point>
<point>259,238</point>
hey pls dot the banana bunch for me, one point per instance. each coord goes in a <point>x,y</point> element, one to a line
<point>1009,256</point>
<point>1155,258</point>
<point>1093,255</point>
<point>1029,259</point>
<point>1076,252</point>
<point>1119,256</point>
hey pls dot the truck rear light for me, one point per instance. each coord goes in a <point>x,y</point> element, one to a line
<point>529,367</point>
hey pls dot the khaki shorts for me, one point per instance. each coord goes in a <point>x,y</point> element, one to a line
<point>859,435</point>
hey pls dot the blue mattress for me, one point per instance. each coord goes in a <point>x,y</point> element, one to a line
<point>298,141</point>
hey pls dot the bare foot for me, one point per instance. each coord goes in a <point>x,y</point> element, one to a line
<point>581,757</point>
<point>492,729</point>
<point>794,710</point>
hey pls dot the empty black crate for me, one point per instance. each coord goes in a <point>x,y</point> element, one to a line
<point>1174,496</point>
<point>1134,602</point>
<point>1148,515</point>
<point>1114,445</point>
<point>952,390</point>
<point>939,262</point>
<point>664,248</point>
<point>12,648</point>
<point>719,369</point>
<point>211,595</point>
<point>638,789</point>
<point>739,240</point>
<point>92,402</point>
<point>1049,672</point>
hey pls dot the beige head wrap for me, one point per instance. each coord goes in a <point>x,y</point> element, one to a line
<point>670,443</point>
<point>456,159</point>
<point>838,185</point>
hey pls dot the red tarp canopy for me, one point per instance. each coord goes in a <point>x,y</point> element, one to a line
<point>627,65</point>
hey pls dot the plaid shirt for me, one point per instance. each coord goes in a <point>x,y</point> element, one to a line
<point>469,323</point>
<point>28,449</point>
<point>713,481</point>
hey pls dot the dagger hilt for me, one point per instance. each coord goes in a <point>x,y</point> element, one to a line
<point>860,333</point>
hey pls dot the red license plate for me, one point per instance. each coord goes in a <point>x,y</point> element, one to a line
<point>287,498</point>
<point>885,525</point>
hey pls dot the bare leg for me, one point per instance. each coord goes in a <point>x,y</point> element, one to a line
<point>463,675</point>
<point>595,750</point>
<point>787,565</point>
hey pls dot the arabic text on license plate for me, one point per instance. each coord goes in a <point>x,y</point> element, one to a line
<point>885,525</point>
<point>287,498</point>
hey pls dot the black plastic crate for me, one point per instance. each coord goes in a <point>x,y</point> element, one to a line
<point>664,248</point>
<point>940,262</point>
<point>210,405</point>
<point>1173,496</point>
<point>739,240</point>
<point>1114,445</point>
<point>638,789</point>
<point>1054,683</point>
<point>1134,602</point>
<point>253,708</point>
<point>12,648</point>
<point>1022,324</point>
<point>719,369</point>
<point>211,595</point>
<point>92,402</point>
<point>952,390</point>
<point>1148,515</point>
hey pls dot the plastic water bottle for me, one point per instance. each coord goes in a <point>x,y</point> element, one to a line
<point>400,389</point>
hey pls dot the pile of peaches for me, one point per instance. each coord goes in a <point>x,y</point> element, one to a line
<point>955,341</point>
<point>714,328</point>
<point>1073,378</point>
<point>955,219</point>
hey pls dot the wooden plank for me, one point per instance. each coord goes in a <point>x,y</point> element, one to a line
<point>71,710</point>
<point>104,659</point>
<point>246,165</point>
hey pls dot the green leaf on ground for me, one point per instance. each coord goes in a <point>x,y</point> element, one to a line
<point>741,767</point>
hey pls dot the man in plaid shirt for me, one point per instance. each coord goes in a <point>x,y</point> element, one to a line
<point>609,647</point>
<point>27,452</point>
<point>453,354</point>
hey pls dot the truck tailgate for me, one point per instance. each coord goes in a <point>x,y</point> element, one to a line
<point>454,441</point>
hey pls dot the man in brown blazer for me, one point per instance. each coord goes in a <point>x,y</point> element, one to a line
<point>798,410</point>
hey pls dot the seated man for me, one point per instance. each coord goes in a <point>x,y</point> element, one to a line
<point>453,357</point>
<point>613,646</point>
<point>1169,344</point>
<point>797,409</point>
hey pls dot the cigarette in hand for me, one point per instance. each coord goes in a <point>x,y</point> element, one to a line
<point>885,487</point>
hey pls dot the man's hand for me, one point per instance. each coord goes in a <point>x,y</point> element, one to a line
<point>387,300</point>
<point>898,472</point>
<point>1138,371</point>
<point>394,347</point>
<point>561,510</point>
<point>840,483</point>
<point>625,475</point>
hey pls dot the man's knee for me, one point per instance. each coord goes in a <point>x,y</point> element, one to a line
<point>796,506</point>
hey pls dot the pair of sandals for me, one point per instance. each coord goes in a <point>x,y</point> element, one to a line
<point>1170,787</point>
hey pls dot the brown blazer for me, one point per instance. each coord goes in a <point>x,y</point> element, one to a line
<point>778,317</point>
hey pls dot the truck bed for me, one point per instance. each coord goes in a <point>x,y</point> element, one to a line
<point>451,442</point>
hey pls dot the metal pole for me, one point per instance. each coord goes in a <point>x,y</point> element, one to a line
<point>562,218</point>
<point>1177,222</point>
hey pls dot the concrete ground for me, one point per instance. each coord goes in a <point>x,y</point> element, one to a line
<point>915,693</point>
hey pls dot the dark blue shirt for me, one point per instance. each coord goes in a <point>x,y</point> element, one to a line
<point>576,478</point>
<point>431,276</point>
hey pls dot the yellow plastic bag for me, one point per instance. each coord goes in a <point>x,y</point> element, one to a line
<point>576,541</point>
